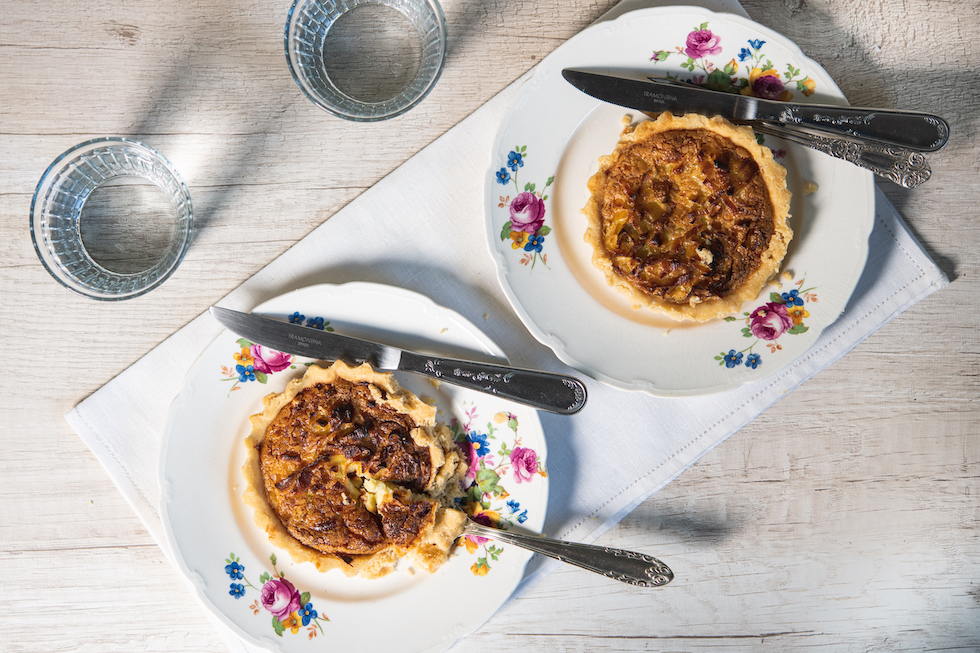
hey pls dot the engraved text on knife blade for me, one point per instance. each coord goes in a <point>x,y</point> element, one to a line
<point>660,97</point>
<point>384,358</point>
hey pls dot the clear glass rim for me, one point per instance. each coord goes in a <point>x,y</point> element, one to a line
<point>437,12</point>
<point>181,239</point>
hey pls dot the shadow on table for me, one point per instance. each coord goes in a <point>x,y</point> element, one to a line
<point>205,105</point>
<point>705,529</point>
<point>941,85</point>
<point>466,18</point>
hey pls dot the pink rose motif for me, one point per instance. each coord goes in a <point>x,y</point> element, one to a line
<point>527,213</point>
<point>474,459</point>
<point>268,360</point>
<point>770,321</point>
<point>469,451</point>
<point>481,518</point>
<point>280,598</point>
<point>701,44</point>
<point>525,462</point>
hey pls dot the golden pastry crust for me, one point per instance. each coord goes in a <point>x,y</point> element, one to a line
<point>349,471</point>
<point>688,216</point>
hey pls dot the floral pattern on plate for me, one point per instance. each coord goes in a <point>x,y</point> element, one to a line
<point>255,363</point>
<point>290,609</point>
<point>570,307</point>
<point>204,517</point>
<point>782,314</point>
<point>526,227</point>
<point>486,500</point>
<point>763,80</point>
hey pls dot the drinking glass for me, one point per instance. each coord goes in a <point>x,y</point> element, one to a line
<point>366,60</point>
<point>111,218</point>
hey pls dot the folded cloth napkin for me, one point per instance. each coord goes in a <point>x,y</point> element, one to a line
<point>427,235</point>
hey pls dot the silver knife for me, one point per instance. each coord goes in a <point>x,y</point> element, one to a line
<point>912,130</point>
<point>900,166</point>
<point>557,393</point>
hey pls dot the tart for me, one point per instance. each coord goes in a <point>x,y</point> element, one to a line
<point>348,470</point>
<point>688,216</point>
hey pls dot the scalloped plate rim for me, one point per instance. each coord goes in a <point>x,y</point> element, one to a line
<point>553,339</point>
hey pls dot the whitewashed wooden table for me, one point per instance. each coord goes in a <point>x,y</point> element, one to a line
<point>846,518</point>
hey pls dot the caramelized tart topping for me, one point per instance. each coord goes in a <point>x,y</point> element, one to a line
<point>316,455</point>
<point>348,470</point>
<point>688,216</point>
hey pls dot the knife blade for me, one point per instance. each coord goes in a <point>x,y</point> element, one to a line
<point>557,393</point>
<point>914,130</point>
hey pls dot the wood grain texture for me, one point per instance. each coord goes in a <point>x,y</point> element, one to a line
<point>846,518</point>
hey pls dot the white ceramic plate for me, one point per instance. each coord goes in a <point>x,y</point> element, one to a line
<point>228,560</point>
<point>547,148</point>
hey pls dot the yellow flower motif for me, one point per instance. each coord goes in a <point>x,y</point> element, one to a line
<point>500,417</point>
<point>797,313</point>
<point>474,509</point>
<point>244,358</point>
<point>733,66</point>
<point>479,569</point>
<point>520,239</point>
<point>292,622</point>
<point>809,87</point>
<point>493,515</point>
<point>756,73</point>
<point>470,545</point>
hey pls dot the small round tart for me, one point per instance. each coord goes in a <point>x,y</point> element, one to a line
<point>348,470</point>
<point>688,216</point>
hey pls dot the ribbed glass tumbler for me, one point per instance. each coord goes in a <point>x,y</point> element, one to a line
<point>366,60</point>
<point>60,211</point>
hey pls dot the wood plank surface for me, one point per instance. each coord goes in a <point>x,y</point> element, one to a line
<point>846,518</point>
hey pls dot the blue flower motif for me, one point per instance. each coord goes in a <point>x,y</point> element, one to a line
<point>514,505</point>
<point>744,54</point>
<point>515,160</point>
<point>245,373</point>
<point>237,590</point>
<point>521,518</point>
<point>315,322</point>
<point>503,177</point>
<point>756,43</point>
<point>733,358</point>
<point>753,361</point>
<point>307,614</point>
<point>235,570</point>
<point>480,443</point>
<point>792,298</point>
<point>534,244</point>
<point>296,318</point>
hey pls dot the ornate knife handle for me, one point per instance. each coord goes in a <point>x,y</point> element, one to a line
<point>556,393</point>
<point>625,566</point>
<point>903,167</point>
<point>913,130</point>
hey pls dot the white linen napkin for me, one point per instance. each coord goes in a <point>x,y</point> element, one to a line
<point>428,236</point>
